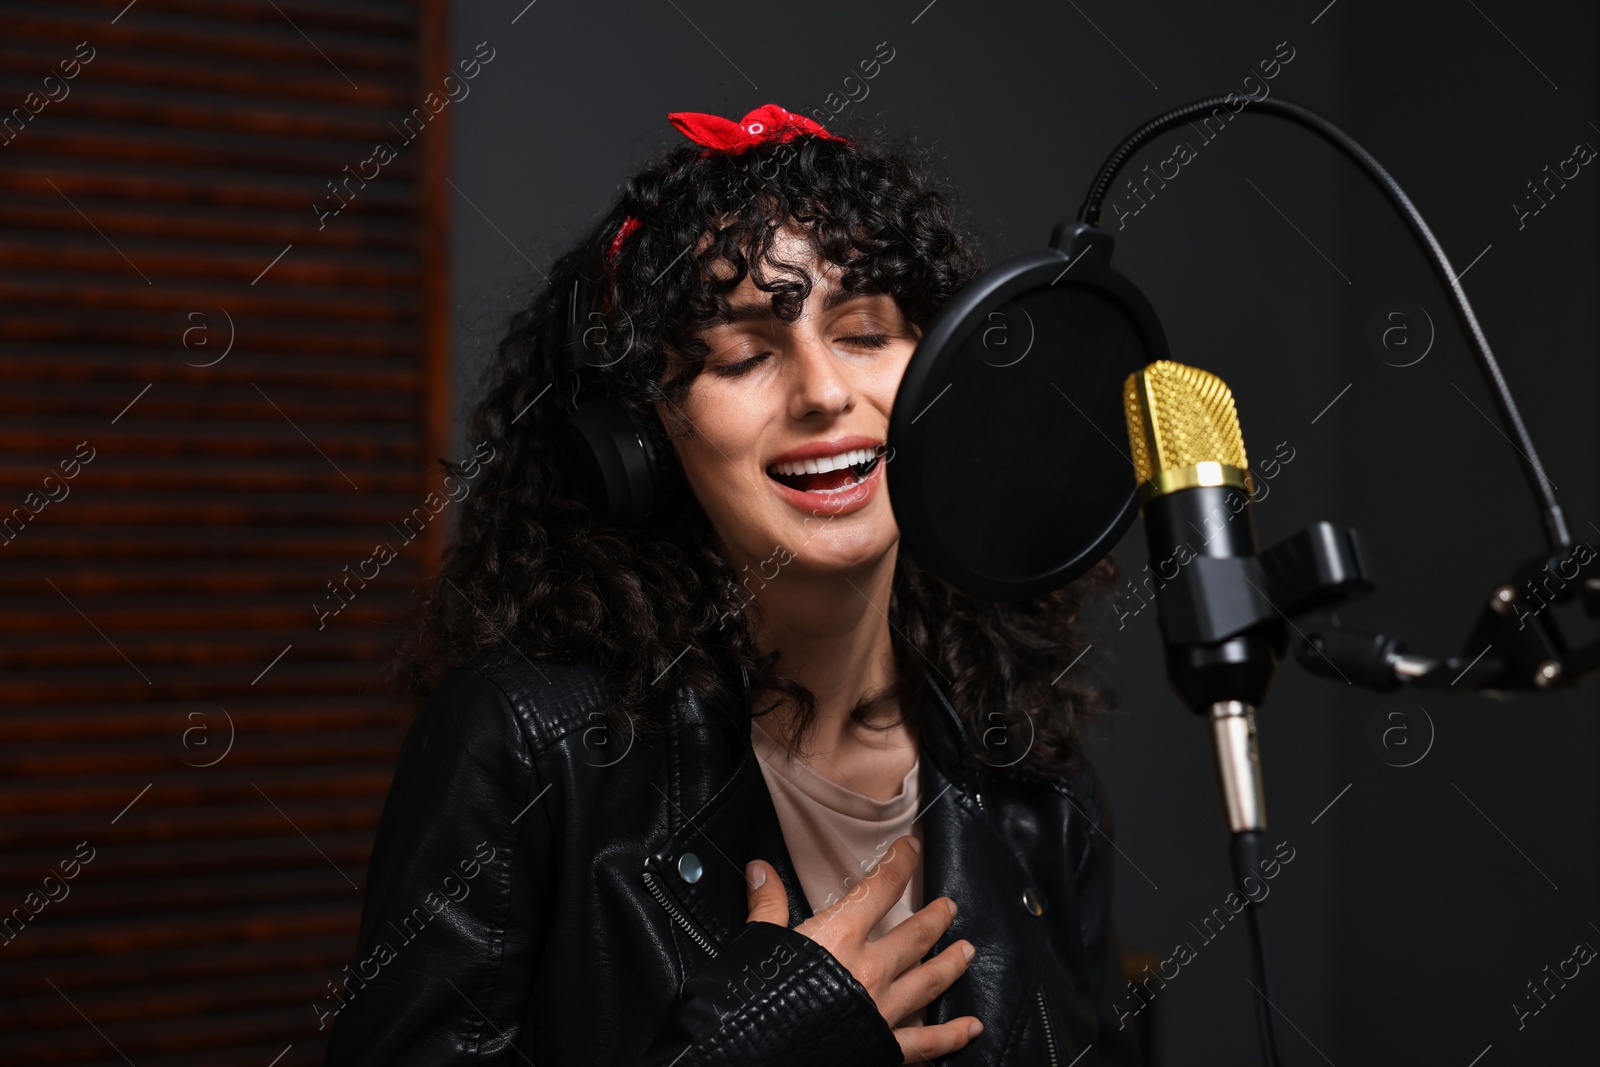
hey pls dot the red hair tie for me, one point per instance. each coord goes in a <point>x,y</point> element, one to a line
<point>629,224</point>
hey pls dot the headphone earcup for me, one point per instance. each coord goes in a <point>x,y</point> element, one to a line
<point>625,471</point>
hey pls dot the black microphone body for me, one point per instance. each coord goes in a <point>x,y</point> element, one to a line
<point>1212,521</point>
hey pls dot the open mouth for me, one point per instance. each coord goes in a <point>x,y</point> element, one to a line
<point>829,474</point>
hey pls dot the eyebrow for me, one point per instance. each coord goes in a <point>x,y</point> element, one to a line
<point>832,298</point>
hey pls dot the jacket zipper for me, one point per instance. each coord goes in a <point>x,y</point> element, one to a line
<point>661,894</point>
<point>1049,1035</point>
<point>677,916</point>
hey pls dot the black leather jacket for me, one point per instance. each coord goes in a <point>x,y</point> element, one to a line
<point>541,892</point>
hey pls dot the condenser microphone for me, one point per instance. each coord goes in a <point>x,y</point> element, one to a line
<point>1194,492</point>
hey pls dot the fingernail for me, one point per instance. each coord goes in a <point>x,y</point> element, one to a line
<point>755,877</point>
<point>966,950</point>
<point>974,1030</point>
<point>916,846</point>
<point>952,904</point>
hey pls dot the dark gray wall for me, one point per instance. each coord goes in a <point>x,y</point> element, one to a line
<point>1419,904</point>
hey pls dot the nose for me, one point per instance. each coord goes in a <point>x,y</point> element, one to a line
<point>822,384</point>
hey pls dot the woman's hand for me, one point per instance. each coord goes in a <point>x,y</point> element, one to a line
<point>887,967</point>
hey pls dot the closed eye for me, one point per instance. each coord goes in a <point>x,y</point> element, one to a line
<point>744,366</point>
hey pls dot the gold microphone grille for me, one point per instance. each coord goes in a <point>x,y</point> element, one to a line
<point>1179,416</point>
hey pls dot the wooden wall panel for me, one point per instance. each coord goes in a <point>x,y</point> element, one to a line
<point>248,401</point>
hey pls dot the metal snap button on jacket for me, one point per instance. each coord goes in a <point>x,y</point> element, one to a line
<point>689,868</point>
<point>1030,900</point>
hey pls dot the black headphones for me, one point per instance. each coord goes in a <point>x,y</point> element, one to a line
<point>622,467</point>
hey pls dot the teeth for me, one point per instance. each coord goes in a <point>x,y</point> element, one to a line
<point>823,465</point>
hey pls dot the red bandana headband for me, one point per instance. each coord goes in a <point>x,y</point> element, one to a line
<point>766,123</point>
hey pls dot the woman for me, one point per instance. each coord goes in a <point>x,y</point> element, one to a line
<point>734,781</point>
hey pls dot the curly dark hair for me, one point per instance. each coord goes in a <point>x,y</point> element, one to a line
<point>529,565</point>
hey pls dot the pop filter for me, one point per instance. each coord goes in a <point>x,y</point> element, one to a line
<point>1011,472</point>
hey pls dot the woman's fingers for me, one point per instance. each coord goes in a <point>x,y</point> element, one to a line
<point>917,987</point>
<point>844,926</point>
<point>768,902</point>
<point>888,968</point>
<point>924,1044</point>
<point>910,940</point>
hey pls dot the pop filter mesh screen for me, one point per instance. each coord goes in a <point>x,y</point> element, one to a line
<point>1023,459</point>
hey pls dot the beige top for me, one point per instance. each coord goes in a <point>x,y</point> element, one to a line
<point>835,835</point>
